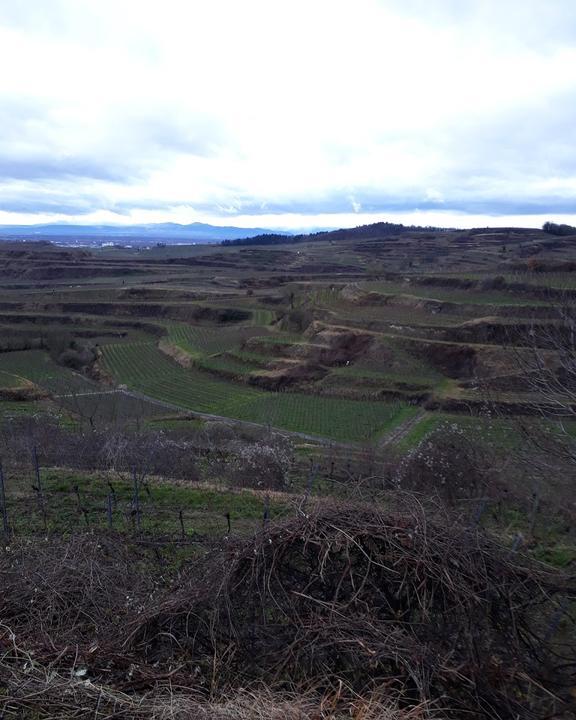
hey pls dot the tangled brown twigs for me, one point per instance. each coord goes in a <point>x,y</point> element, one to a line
<point>397,599</point>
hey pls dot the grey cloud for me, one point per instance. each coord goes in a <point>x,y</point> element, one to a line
<point>337,202</point>
<point>51,168</point>
<point>33,145</point>
<point>43,197</point>
<point>531,140</point>
<point>39,205</point>
<point>201,134</point>
<point>372,202</point>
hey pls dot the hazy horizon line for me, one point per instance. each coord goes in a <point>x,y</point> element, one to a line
<point>308,224</point>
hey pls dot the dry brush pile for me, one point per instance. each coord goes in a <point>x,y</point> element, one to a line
<point>399,600</point>
<point>348,605</point>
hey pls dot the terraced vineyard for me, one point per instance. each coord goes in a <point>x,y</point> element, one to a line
<point>340,419</point>
<point>200,340</point>
<point>142,367</point>
<point>71,392</point>
<point>315,337</point>
<point>37,367</point>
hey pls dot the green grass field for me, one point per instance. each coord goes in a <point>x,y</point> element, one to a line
<point>262,317</point>
<point>8,380</point>
<point>15,409</point>
<point>277,339</point>
<point>203,508</point>
<point>501,434</point>
<point>144,368</point>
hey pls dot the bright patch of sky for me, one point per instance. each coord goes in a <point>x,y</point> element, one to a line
<point>312,113</point>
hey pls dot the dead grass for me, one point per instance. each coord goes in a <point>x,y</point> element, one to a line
<point>32,691</point>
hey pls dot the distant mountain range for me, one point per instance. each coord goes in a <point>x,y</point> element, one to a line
<point>155,232</point>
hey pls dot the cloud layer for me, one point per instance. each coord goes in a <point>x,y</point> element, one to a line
<point>293,113</point>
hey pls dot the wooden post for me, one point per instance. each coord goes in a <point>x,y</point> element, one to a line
<point>182,529</point>
<point>109,510</point>
<point>478,514</point>
<point>5,525</point>
<point>556,619</point>
<point>112,493</point>
<point>517,543</point>
<point>39,491</point>
<point>309,485</point>
<point>81,509</point>
<point>266,511</point>
<point>136,500</point>
<point>534,513</point>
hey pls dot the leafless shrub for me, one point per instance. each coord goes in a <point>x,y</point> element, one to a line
<point>218,433</point>
<point>449,464</point>
<point>148,453</point>
<point>264,462</point>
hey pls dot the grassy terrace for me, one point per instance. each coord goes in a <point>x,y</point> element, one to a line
<point>560,280</point>
<point>500,433</point>
<point>331,296</point>
<point>142,367</point>
<point>7,380</point>
<point>456,295</point>
<point>13,408</point>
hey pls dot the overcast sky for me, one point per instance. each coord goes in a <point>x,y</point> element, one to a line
<point>288,114</point>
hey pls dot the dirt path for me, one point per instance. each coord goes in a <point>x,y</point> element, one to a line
<point>92,392</point>
<point>402,430</point>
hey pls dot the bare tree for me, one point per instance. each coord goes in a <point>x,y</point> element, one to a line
<point>543,413</point>
<point>545,357</point>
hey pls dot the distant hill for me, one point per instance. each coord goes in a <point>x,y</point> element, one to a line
<point>374,230</point>
<point>156,232</point>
